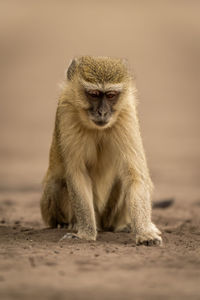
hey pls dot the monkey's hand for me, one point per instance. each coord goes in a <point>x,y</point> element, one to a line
<point>70,235</point>
<point>149,237</point>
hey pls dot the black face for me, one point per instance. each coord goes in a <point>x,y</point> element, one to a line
<point>101,105</point>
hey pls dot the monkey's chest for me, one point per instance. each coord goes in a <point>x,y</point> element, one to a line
<point>103,175</point>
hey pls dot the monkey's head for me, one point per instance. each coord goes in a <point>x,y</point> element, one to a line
<point>99,85</point>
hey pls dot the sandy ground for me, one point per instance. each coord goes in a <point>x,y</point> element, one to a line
<point>34,264</point>
<point>161,41</point>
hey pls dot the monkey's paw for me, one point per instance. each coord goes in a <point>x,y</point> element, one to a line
<point>70,235</point>
<point>150,237</point>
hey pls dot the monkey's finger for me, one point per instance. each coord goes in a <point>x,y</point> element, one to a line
<point>68,236</point>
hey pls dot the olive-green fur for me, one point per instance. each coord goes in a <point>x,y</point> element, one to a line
<point>100,69</point>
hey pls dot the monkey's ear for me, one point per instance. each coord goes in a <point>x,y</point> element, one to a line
<point>125,62</point>
<point>71,69</point>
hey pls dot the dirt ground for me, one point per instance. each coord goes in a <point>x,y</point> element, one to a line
<point>161,41</point>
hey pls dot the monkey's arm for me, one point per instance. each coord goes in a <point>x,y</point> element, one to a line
<point>138,195</point>
<point>79,186</point>
<point>80,195</point>
<point>138,185</point>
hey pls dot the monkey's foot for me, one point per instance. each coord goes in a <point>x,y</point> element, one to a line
<point>126,229</point>
<point>150,237</point>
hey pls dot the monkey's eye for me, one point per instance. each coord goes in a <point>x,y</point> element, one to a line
<point>111,94</point>
<point>94,94</point>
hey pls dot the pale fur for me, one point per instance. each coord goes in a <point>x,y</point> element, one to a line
<point>105,87</point>
<point>98,165</point>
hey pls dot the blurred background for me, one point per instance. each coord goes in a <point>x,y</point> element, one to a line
<point>161,40</point>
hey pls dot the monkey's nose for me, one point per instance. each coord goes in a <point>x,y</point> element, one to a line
<point>102,113</point>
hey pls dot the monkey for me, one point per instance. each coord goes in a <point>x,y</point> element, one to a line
<point>97,178</point>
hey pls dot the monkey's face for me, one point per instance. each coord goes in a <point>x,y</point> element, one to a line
<point>99,87</point>
<point>101,106</point>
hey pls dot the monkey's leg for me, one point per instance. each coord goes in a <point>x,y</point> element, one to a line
<point>140,207</point>
<point>122,219</point>
<point>54,204</point>
<point>115,216</point>
<point>81,198</point>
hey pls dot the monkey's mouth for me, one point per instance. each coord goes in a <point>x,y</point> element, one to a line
<point>100,123</point>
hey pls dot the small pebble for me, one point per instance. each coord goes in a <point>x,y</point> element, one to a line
<point>24,229</point>
<point>168,230</point>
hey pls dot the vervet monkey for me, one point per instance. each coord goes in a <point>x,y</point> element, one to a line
<point>98,177</point>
